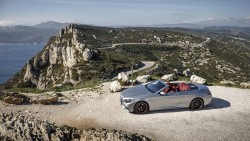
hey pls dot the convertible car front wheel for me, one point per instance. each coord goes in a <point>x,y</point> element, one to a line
<point>196,104</point>
<point>141,107</point>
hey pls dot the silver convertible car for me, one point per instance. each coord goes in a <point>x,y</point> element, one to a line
<point>160,95</point>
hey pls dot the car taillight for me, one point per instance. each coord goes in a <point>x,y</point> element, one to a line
<point>209,93</point>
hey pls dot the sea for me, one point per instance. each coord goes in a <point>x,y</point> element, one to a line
<point>14,56</point>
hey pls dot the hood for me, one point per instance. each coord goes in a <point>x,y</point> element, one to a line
<point>135,92</point>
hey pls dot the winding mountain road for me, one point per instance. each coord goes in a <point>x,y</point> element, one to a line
<point>147,64</point>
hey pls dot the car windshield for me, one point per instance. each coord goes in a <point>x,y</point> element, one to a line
<point>155,86</point>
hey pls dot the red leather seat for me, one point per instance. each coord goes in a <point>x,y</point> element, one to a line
<point>183,87</point>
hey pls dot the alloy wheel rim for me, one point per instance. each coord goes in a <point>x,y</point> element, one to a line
<point>197,104</point>
<point>141,108</point>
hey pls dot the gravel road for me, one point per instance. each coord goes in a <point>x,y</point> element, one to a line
<point>226,118</point>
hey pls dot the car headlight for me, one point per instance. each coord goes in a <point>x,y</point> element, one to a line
<point>128,100</point>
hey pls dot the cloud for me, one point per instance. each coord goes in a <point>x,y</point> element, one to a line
<point>7,22</point>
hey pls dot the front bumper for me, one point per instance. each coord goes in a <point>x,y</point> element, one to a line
<point>127,106</point>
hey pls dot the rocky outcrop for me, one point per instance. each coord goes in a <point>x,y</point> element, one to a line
<point>44,99</point>
<point>227,82</point>
<point>87,54</point>
<point>245,84</point>
<point>115,86</point>
<point>111,135</point>
<point>123,77</point>
<point>15,98</point>
<point>143,78</point>
<point>20,127</point>
<point>168,77</point>
<point>55,63</point>
<point>197,79</point>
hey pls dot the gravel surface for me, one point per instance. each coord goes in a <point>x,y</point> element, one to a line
<point>226,118</point>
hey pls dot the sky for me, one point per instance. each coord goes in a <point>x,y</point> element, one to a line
<point>120,12</point>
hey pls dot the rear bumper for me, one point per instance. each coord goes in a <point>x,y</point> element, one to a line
<point>208,100</point>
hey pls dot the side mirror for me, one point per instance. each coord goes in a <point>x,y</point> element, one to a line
<point>162,93</point>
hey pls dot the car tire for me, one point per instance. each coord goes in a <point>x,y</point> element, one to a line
<point>196,104</point>
<point>141,107</point>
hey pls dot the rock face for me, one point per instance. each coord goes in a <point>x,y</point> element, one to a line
<point>143,78</point>
<point>55,63</point>
<point>87,54</point>
<point>110,135</point>
<point>22,128</point>
<point>15,98</point>
<point>227,82</point>
<point>123,77</point>
<point>245,84</point>
<point>44,99</point>
<point>168,77</point>
<point>115,86</point>
<point>197,79</point>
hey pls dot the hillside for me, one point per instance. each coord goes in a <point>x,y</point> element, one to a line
<point>81,54</point>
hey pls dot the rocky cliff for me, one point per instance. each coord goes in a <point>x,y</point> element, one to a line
<point>81,53</point>
<point>67,58</point>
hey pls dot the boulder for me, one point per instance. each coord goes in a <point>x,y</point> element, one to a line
<point>197,79</point>
<point>177,72</point>
<point>227,82</point>
<point>168,77</point>
<point>15,98</point>
<point>123,77</point>
<point>245,84</point>
<point>187,72</point>
<point>115,86</point>
<point>44,99</point>
<point>87,54</point>
<point>143,78</point>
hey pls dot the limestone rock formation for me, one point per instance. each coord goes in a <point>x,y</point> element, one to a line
<point>115,86</point>
<point>143,78</point>
<point>27,128</point>
<point>245,84</point>
<point>15,98</point>
<point>87,54</point>
<point>168,77</point>
<point>197,79</point>
<point>227,82</point>
<point>123,77</point>
<point>44,99</point>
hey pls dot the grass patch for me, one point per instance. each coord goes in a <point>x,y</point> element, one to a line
<point>179,78</point>
<point>89,84</point>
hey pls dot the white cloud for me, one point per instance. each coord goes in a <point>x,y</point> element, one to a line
<point>7,22</point>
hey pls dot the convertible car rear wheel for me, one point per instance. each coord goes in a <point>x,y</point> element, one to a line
<point>141,107</point>
<point>196,104</point>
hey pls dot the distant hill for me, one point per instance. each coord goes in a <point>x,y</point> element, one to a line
<point>25,34</point>
<point>30,34</point>
<point>51,25</point>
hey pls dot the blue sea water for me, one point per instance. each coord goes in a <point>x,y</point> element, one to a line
<point>14,56</point>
